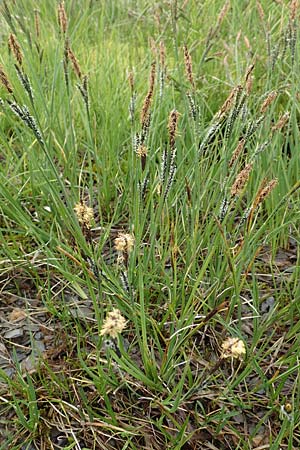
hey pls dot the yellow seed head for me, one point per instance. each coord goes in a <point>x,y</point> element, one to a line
<point>85,214</point>
<point>142,151</point>
<point>124,243</point>
<point>288,407</point>
<point>114,324</point>
<point>233,348</point>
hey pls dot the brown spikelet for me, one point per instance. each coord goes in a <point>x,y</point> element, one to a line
<point>146,108</point>
<point>172,127</point>
<point>62,17</point>
<point>267,102</point>
<point>249,85</point>
<point>263,192</point>
<point>247,42</point>
<point>148,98</point>
<point>281,122</point>
<point>293,9</point>
<point>229,101</point>
<point>223,13</point>
<point>71,57</point>
<point>260,11</point>
<point>162,54</point>
<point>188,65</point>
<point>153,47</point>
<point>152,77</point>
<point>66,61</point>
<point>15,48</point>
<point>267,190</point>
<point>249,72</point>
<point>241,180</point>
<point>37,23</point>
<point>5,81</point>
<point>131,80</point>
<point>237,152</point>
<point>249,79</point>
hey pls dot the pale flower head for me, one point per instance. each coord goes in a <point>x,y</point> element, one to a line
<point>85,214</point>
<point>142,151</point>
<point>124,243</point>
<point>114,324</point>
<point>233,348</point>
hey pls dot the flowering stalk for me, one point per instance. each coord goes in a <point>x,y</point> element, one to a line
<point>25,82</point>
<point>188,66</point>
<point>113,326</point>
<point>148,99</point>
<point>171,168</point>
<point>85,216</point>
<point>264,191</point>
<point>83,89</point>
<point>62,18</point>
<point>124,244</point>
<point>15,48</point>
<point>23,113</point>
<point>241,181</point>
<point>5,81</point>
<point>233,348</point>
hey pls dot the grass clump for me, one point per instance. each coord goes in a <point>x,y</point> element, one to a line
<point>149,190</point>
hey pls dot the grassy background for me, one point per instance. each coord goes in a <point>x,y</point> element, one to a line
<point>194,278</point>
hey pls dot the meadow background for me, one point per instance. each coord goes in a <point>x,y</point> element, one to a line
<point>149,169</point>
